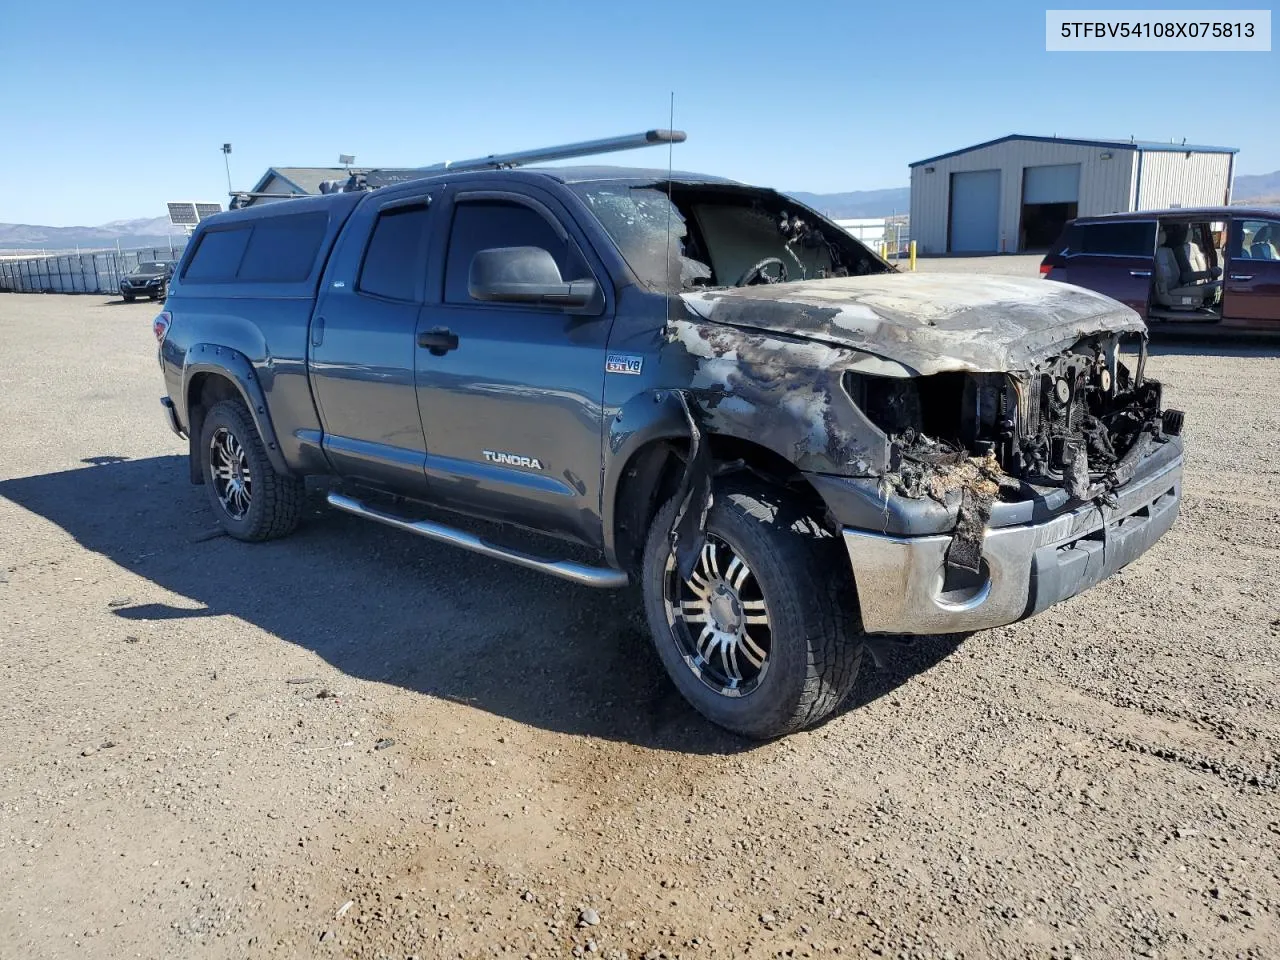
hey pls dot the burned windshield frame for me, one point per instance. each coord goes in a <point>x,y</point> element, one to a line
<point>636,217</point>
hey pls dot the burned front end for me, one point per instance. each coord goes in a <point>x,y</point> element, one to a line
<point>1080,420</point>
<point>1056,476</point>
<point>986,446</point>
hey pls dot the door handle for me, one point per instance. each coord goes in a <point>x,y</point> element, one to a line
<point>1139,273</point>
<point>1242,276</point>
<point>317,331</point>
<point>439,340</point>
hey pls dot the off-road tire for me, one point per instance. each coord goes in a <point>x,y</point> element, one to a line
<point>804,576</point>
<point>276,504</point>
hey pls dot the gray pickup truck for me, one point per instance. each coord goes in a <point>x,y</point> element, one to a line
<point>784,441</point>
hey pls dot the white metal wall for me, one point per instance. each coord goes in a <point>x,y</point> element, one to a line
<point>1167,179</point>
<point>1106,186</point>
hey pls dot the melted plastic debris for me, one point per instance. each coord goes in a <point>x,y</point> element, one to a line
<point>933,468</point>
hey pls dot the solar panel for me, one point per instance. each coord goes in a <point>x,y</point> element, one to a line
<point>183,214</point>
<point>206,210</point>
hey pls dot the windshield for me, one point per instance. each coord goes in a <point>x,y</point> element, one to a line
<point>721,236</point>
<point>150,268</point>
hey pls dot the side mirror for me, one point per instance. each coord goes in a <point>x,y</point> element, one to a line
<point>525,275</point>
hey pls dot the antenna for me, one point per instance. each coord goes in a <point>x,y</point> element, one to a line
<point>586,148</point>
<point>671,147</point>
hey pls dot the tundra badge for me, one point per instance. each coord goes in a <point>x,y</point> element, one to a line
<point>511,459</point>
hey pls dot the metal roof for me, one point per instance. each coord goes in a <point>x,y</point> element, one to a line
<point>307,180</point>
<point>1139,145</point>
<point>1188,213</point>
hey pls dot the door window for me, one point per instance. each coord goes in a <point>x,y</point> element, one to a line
<point>1120,239</point>
<point>1256,240</point>
<point>485,224</point>
<point>395,260</point>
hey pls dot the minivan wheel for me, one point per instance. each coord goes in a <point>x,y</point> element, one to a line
<point>763,639</point>
<point>251,501</point>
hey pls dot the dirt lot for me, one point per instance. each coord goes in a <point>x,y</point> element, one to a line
<point>355,743</point>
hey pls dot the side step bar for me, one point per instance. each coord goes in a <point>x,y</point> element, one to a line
<point>567,569</point>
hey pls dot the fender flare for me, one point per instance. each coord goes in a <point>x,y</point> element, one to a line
<point>236,367</point>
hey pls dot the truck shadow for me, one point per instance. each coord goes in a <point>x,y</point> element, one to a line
<point>393,608</point>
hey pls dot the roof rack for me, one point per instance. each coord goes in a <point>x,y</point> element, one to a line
<point>365,180</point>
<point>586,148</point>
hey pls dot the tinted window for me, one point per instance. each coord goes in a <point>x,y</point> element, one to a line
<point>1256,240</point>
<point>283,249</point>
<point>484,224</point>
<point>1118,239</point>
<point>395,259</point>
<point>217,258</point>
<point>1069,242</point>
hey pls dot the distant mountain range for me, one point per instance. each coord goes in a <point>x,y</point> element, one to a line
<point>132,234</point>
<point>1258,188</point>
<point>155,232</point>
<point>857,203</point>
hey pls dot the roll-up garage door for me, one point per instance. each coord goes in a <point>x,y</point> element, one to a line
<point>1050,196</point>
<point>1059,183</point>
<point>975,212</point>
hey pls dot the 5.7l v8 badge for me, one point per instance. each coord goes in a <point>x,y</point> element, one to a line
<point>623,363</point>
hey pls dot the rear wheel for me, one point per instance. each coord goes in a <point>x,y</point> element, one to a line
<point>251,501</point>
<point>763,639</point>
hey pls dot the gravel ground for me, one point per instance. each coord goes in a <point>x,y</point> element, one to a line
<point>356,743</point>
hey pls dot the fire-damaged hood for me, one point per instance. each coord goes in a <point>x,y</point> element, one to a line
<point>928,323</point>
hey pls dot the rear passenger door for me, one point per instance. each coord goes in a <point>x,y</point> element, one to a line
<point>362,350</point>
<point>1252,288</point>
<point>1115,258</point>
<point>512,409</point>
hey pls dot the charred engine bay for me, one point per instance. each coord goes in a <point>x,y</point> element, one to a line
<point>1079,420</point>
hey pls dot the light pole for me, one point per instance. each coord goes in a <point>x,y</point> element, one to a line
<point>226,159</point>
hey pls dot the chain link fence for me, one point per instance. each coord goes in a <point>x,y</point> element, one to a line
<point>77,272</point>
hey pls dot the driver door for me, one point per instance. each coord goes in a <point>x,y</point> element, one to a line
<point>511,394</point>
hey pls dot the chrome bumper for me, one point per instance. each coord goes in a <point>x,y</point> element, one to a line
<point>1027,568</point>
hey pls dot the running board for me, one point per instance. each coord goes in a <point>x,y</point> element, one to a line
<point>566,569</point>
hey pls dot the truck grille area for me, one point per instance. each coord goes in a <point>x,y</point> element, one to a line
<point>1074,421</point>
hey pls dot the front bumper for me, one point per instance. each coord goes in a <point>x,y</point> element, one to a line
<point>1027,567</point>
<point>145,290</point>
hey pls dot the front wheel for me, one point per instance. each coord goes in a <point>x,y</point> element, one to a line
<point>764,638</point>
<point>251,501</point>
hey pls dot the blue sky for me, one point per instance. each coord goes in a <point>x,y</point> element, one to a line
<point>111,109</point>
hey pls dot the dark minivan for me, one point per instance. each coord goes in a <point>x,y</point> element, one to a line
<point>1193,269</point>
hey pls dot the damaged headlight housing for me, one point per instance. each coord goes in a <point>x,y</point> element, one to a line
<point>974,412</point>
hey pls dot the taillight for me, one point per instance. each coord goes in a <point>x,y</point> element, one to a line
<point>1045,269</point>
<point>160,325</point>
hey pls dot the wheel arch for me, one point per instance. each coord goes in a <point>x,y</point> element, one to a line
<point>651,474</point>
<point>214,373</point>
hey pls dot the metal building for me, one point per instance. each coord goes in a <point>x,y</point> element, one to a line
<point>1015,193</point>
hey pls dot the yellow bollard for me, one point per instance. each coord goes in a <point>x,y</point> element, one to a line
<point>912,254</point>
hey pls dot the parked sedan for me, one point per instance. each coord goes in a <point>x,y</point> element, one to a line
<point>148,279</point>
<point>1185,269</point>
